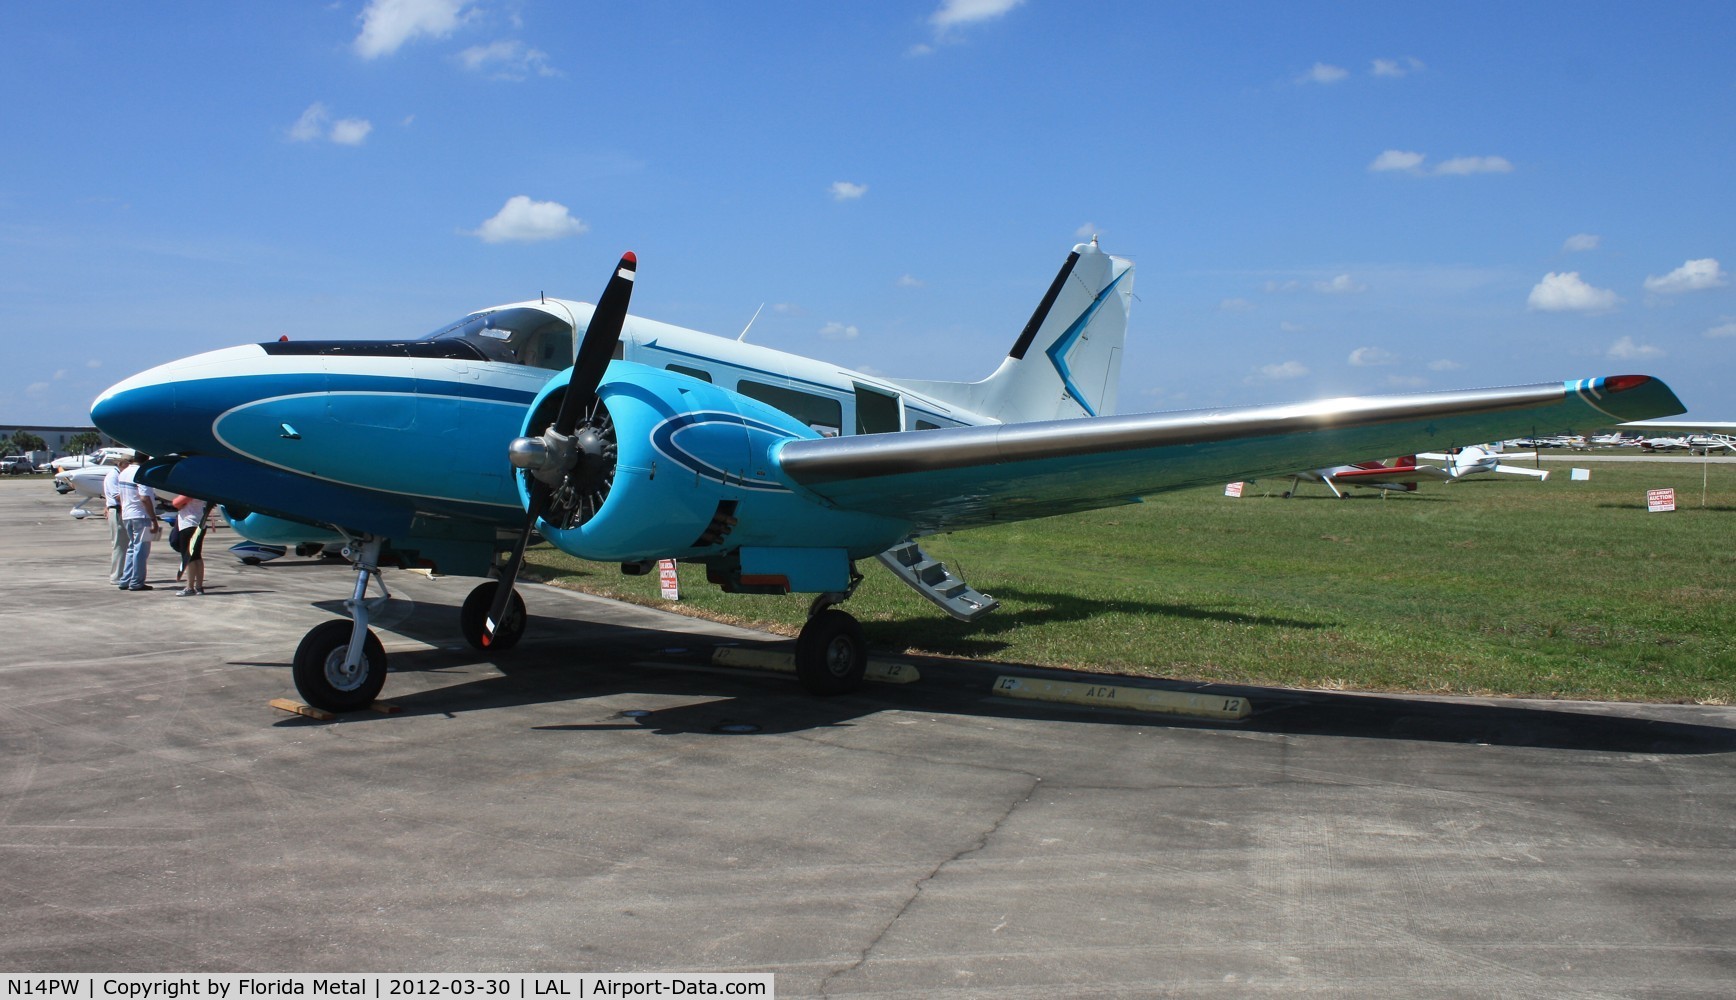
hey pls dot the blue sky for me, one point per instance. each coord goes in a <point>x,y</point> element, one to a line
<point>1321,198</point>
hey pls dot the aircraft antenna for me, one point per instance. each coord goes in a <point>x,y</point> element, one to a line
<point>749,325</point>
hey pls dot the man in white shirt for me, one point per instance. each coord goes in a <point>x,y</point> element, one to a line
<point>139,514</point>
<point>111,509</point>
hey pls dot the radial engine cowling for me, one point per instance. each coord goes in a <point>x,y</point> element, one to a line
<point>667,466</point>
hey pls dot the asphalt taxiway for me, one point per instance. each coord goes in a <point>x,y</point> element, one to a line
<point>599,799</point>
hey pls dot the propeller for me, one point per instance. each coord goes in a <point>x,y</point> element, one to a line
<point>565,461</point>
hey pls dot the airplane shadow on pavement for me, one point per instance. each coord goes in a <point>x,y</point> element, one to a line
<point>567,660</point>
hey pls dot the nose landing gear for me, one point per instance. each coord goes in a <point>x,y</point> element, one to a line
<point>340,666</point>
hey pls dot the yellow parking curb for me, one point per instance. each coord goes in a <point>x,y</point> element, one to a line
<point>1139,699</point>
<point>884,671</point>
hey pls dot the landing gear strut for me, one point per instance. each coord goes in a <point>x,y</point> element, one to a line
<point>831,655</point>
<point>340,666</point>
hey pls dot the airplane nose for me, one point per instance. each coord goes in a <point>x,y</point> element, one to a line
<point>136,412</point>
<point>173,409</point>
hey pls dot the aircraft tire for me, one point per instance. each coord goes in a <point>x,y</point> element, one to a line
<point>318,668</point>
<point>831,655</point>
<point>474,615</point>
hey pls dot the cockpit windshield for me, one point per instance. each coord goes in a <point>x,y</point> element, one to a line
<point>520,335</point>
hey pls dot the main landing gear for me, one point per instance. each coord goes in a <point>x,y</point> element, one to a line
<point>340,666</point>
<point>831,655</point>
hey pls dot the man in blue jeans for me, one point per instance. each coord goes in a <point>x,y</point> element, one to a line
<point>139,514</point>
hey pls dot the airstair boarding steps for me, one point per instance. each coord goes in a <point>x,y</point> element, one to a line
<point>930,578</point>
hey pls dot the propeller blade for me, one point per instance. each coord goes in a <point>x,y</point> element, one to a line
<point>598,348</point>
<point>509,572</point>
<point>595,352</point>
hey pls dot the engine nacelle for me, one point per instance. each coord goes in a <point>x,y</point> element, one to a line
<point>694,477</point>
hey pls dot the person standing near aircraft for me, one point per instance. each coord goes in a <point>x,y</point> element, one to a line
<point>111,509</point>
<point>139,514</point>
<point>190,519</point>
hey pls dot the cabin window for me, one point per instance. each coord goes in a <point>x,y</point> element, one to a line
<point>927,425</point>
<point>876,412</point>
<point>698,373</point>
<point>822,413</point>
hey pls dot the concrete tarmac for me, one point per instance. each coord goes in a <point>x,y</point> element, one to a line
<point>599,800</point>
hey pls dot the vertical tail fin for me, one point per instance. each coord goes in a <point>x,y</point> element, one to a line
<point>1067,360</point>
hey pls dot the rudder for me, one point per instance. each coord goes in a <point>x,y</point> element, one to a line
<point>1067,359</point>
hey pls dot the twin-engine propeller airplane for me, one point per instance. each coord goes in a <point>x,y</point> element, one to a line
<point>776,472</point>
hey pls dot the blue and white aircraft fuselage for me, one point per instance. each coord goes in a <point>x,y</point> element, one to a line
<point>776,471</point>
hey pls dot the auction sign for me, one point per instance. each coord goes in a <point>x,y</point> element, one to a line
<point>667,580</point>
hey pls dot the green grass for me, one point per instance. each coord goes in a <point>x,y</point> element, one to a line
<point>1495,586</point>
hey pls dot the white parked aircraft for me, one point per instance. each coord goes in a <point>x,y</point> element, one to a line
<point>102,456</point>
<point>86,482</point>
<point>1478,460</point>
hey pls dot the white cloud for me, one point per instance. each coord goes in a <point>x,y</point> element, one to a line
<point>351,131</point>
<point>1626,350</point>
<point>316,123</point>
<point>1396,67</point>
<point>954,13</point>
<point>1323,73</point>
<point>507,60</point>
<point>1341,285</point>
<point>847,191</point>
<point>1568,293</point>
<point>1275,287</point>
<point>1411,162</point>
<point>839,331</point>
<point>388,24</point>
<point>1581,242</point>
<point>789,309</point>
<point>1693,276</point>
<point>1445,365</point>
<point>93,363</point>
<point>1087,231</point>
<point>521,220</point>
<point>1406,381</point>
<point>1369,357</point>
<point>1287,369</point>
<point>1396,159</point>
<point>1463,165</point>
<point>311,124</point>
<point>1726,328</point>
<point>910,281</point>
<point>36,389</point>
<point>1285,326</point>
<point>1237,305</point>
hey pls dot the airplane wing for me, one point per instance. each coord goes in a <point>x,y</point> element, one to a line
<point>970,476</point>
<point>1520,470</point>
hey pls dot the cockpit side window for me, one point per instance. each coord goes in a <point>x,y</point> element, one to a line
<point>519,336</point>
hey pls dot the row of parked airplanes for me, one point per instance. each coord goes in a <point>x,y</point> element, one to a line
<point>620,439</point>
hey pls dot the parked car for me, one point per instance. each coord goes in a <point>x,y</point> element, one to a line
<point>17,465</point>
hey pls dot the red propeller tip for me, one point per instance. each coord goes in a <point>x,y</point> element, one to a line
<point>629,258</point>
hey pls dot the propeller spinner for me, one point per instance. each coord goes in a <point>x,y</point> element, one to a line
<point>570,465</point>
